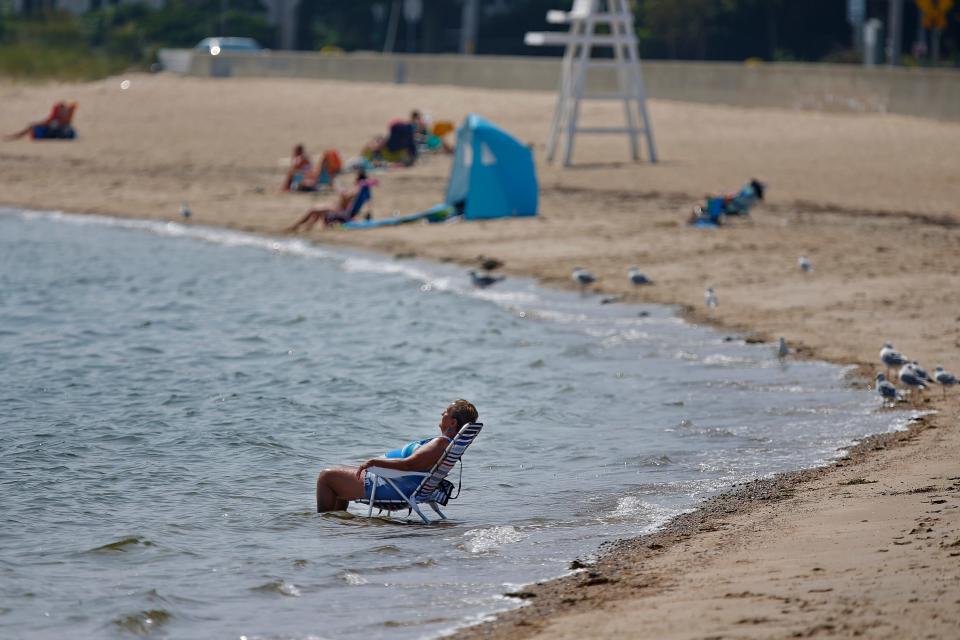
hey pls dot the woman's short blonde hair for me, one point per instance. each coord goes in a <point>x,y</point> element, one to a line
<point>464,412</point>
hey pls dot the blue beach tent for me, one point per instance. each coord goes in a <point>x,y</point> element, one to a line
<point>492,175</point>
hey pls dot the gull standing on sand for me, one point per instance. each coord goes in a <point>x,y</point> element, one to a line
<point>483,280</point>
<point>638,278</point>
<point>184,211</point>
<point>920,372</point>
<point>886,389</point>
<point>710,298</point>
<point>805,265</point>
<point>909,377</point>
<point>583,278</point>
<point>782,349</point>
<point>944,379</point>
<point>891,358</point>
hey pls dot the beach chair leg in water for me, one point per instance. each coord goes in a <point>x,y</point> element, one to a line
<point>386,475</point>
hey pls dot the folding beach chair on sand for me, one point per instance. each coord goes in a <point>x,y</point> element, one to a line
<point>432,490</point>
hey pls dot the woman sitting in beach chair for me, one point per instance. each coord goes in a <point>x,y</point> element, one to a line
<point>436,140</point>
<point>337,487</point>
<point>350,204</point>
<point>57,126</point>
<point>300,166</point>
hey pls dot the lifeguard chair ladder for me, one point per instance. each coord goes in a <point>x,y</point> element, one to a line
<point>580,43</point>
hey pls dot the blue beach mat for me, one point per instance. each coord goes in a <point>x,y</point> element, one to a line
<point>437,213</point>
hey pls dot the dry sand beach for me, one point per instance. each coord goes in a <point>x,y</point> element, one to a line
<point>869,547</point>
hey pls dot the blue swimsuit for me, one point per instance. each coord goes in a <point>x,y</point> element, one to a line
<point>408,485</point>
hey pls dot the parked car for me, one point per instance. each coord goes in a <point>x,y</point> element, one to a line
<point>215,45</point>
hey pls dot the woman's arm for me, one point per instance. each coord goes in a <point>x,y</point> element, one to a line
<point>422,459</point>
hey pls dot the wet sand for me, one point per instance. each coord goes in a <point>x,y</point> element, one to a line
<point>867,547</point>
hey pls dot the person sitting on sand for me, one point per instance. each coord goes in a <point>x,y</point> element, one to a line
<point>347,208</point>
<point>303,175</point>
<point>300,166</point>
<point>400,145</point>
<point>56,126</point>
<point>337,487</point>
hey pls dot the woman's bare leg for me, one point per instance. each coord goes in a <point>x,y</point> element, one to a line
<point>336,487</point>
<point>21,133</point>
<point>310,218</point>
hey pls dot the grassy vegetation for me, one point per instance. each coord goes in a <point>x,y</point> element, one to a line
<point>28,61</point>
<point>58,47</point>
<point>116,37</point>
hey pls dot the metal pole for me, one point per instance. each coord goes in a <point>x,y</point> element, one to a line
<point>468,27</point>
<point>894,33</point>
<point>392,27</point>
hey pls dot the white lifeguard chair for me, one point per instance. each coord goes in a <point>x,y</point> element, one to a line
<point>580,43</point>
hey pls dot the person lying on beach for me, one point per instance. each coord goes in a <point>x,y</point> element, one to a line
<point>349,205</point>
<point>337,487</point>
<point>56,126</point>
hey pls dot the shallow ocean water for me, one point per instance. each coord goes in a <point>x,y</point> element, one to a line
<point>169,393</point>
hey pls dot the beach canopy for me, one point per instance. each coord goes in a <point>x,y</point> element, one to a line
<point>493,174</point>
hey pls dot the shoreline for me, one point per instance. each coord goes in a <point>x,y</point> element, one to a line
<point>603,577</point>
<point>869,199</point>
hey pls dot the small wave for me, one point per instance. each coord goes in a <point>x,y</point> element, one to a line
<point>625,337</point>
<point>279,586</point>
<point>392,624</point>
<point>198,232</point>
<point>484,540</point>
<point>720,360</point>
<point>123,545</point>
<point>351,578</point>
<point>143,623</point>
<point>654,461</point>
<point>633,508</point>
<point>390,549</point>
<point>690,428</point>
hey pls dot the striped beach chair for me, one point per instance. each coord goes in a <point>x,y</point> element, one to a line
<point>434,489</point>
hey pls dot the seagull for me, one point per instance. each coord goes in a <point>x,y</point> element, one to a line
<point>184,211</point>
<point>489,264</point>
<point>710,298</point>
<point>805,265</point>
<point>944,379</point>
<point>583,278</point>
<point>782,349</point>
<point>890,357</point>
<point>886,389</point>
<point>482,281</point>
<point>920,372</point>
<point>638,278</point>
<point>909,377</point>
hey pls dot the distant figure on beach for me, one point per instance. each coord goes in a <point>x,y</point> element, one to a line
<point>300,166</point>
<point>337,487</point>
<point>349,205</point>
<point>400,145</point>
<point>57,126</point>
<point>710,298</point>
<point>303,175</point>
